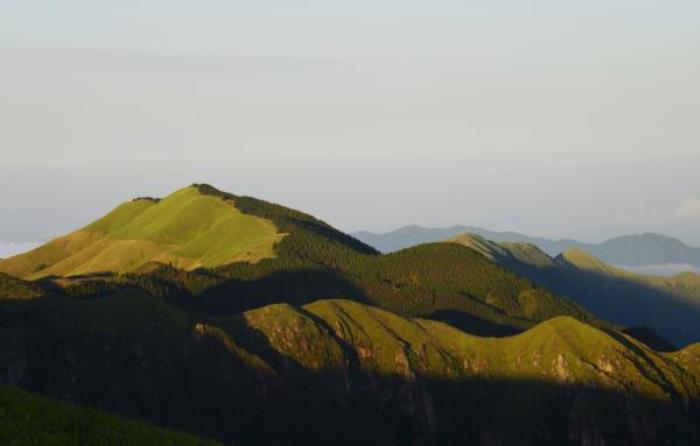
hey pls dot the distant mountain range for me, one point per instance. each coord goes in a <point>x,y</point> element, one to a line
<point>629,250</point>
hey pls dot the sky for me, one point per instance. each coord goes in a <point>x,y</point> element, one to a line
<point>554,118</point>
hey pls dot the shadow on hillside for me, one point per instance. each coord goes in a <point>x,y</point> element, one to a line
<point>200,384</point>
<point>297,287</point>
<point>474,325</point>
<point>622,301</point>
<point>302,286</point>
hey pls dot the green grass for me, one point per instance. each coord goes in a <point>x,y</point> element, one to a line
<point>186,229</point>
<point>267,370</point>
<point>300,259</point>
<point>27,419</point>
<point>561,350</point>
<point>504,253</point>
<point>668,305</point>
<point>684,284</point>
<point>202,227</point>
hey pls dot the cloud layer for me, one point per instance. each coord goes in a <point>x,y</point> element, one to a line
<point>690,208</point>
<point>8,248</point>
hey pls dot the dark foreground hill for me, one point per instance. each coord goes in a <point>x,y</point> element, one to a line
<point>337,371</point>
<point>27,419</point>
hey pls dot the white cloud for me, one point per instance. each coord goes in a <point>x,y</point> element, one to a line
<point>9,248</point>
<point>665,269</point>
<point>690,208</point>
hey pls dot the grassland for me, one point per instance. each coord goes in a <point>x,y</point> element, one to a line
<point>559,350</point>
<point>332,369</point>
<point>239,319</point>
<point>668,305</point>
<point>186,229</point>
<point>684,284</point>
<point>159,245</point>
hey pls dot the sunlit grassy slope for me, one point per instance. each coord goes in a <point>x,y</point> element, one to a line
<point>334,334</point>
<point>303,259</point>
<point>186,229</point>
<point>269,369</point>
<point>687,284</point>
<point>504,253</point>
<point>669,305</point>
<point>560,350</point>
<point>27,419</point>
<point>507,254</point>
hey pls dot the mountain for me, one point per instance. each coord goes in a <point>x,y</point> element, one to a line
<point>413,235</point>
<point>669,305</point>
<point>646,249</point>
<point>247,322</point>
<point>195,227</point>
<point>31,419</point>
<point>187,248</point>
<point>186,229</point>
<point>632,250</point>
<point>342,371</point>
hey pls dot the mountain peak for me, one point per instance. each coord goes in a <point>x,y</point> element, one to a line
<point>479,244</point>
<point>187,229</point>
<point>197,226</point>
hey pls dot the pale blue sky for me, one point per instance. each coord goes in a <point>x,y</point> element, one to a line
<point>556,118</point>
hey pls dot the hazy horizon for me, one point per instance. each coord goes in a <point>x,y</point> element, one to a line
<point>565,120</point>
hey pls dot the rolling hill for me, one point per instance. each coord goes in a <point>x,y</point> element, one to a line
<point>203,250</point>
<point>186,229</point>
<point>631,250</point>
<point>669,305</point>
<point>342,371</point>
<point>244,321</point>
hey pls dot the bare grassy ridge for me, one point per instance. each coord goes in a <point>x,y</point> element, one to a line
<point>668,305</point>
<point>308,259</point>
<point>186,229</point>
<point>561,350</point>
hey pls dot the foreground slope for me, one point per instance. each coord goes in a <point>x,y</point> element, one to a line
<point>344,372</point>
<point>669,305</point>
<point>27,419</point>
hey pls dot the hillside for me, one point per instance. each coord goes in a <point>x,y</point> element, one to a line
<point>200,266</point>
<point>630,250</point>
<point>31,419</point>
<point>13,288</point>
<point>314,337</point>
<point>669,305</point>
<point>413,235</point>
<point>439,281</point>
<point>341,371</point>
<point>186,229</point>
